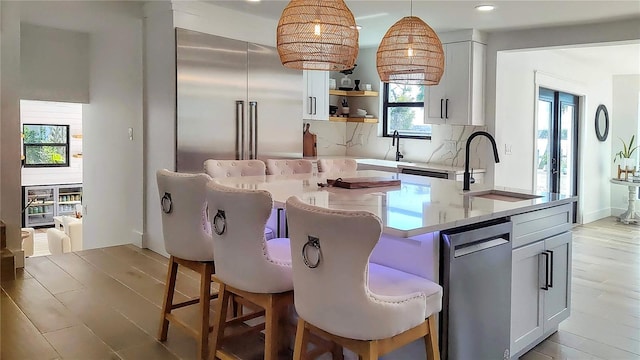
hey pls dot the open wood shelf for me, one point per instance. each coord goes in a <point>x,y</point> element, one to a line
<point>353,119</point>
<point>353,93</point>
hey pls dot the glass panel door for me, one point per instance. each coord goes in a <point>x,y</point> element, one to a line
<point>557,143</point>
<point>568,116</point>
<point>543,143</point>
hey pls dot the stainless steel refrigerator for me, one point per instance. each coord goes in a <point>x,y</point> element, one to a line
<point>235,100</point>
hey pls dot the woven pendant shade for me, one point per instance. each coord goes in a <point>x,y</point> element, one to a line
<point>410,53</point>
<point>317,35</point>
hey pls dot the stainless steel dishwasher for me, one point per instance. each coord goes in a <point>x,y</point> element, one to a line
<point>475,272</point>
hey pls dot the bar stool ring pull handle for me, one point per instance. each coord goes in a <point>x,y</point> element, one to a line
<point>313,242</point>
<point>220,222</point>
<point>166,203</point>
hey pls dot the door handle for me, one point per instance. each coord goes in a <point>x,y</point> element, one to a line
<point>441,100</point>
<point>239,129</point>
<point>545,256</point>
<point>253,130</point>
<point>554,168</point>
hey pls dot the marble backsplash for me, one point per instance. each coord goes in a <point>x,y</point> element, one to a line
<point>361,140</point>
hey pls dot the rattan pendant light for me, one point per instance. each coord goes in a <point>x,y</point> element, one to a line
<point>317,35</point>
<point>410,53</point>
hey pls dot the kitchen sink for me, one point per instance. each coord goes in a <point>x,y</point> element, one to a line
<point>501,195</point>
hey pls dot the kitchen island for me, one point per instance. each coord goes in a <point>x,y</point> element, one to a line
<point>415,213</point>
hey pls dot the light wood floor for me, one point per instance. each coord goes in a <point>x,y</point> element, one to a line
<point>105,303</point>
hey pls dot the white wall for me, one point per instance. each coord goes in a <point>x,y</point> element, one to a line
<point>113,164</point>
<point>54,64</point>
<point>56,113</point>
<point>160,113</point>
<point>10,125</point>
<point>160,84</point>
<point>564,36</point>
<point>515,121</point>
<point>624,117</point>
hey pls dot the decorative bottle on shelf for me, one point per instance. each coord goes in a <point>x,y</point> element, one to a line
<point>345,83</point>
<point>357,88</point>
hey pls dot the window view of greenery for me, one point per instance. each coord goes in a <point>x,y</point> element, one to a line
<point>46,145</point>
<point>404,110</point>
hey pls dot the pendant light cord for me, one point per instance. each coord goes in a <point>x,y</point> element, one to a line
<point>411,7</point>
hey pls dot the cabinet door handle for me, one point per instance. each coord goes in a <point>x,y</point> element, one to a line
<point>315,105</point>
<point>310,105</point>
<point>446,109</point>
<point>441,101</point>
<point>550,268</point>
<point>545,255</point>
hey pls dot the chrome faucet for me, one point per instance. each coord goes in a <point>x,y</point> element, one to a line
<point>467,176</point>
<point>396,142</point>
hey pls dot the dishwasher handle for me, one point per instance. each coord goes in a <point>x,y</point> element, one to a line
<point>470,248</point>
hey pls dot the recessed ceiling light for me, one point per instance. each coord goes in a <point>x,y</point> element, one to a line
<point>485,7</point>
<point>253,0</point>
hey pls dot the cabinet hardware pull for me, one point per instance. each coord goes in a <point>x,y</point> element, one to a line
<point>545,255</point>
<point>446,109</point>
<point>550,268</point>
<point>310,105</point>
<point>441,100</point>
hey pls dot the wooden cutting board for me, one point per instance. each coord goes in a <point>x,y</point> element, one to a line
<point>363,182</point>
<point>309,146</point>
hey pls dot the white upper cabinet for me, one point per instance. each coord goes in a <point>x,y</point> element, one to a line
<point>458,98</point>
<point>315,102</point>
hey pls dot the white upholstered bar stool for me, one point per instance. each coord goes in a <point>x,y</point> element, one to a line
<point>368,308</point>
<point>247,266</point>
<point>289,167</point>
<point>182,203</point>
<point>337,165</point>
<point>234,168</point>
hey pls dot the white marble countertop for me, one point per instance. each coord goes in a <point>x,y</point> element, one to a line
<point>390,165</point>
<point>418,206</point>
<point>415,165</point>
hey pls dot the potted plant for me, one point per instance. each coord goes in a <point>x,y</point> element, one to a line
<point>626,163</point>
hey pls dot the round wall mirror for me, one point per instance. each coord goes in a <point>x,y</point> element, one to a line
<point>602,123</point>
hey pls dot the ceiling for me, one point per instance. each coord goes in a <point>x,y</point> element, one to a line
<point>377,16</point>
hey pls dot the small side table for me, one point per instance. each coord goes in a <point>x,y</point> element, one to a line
<point>630,215</point>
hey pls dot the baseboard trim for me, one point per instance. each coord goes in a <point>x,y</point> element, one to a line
<point>599,214</point>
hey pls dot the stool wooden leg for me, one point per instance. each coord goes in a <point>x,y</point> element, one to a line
<point>431,340</point>
<point>300,347</point>
<point>272,329</point>
<point>205,298</point>
<point>220,319</point>
<point>337,352</point>
<point>169,288</point>
<point>371,351</point>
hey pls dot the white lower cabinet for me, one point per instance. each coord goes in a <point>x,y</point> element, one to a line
<point>540,289</point>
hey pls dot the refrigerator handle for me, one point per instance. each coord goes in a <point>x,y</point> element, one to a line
<point>253,129</point>
<point>239,130</point>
